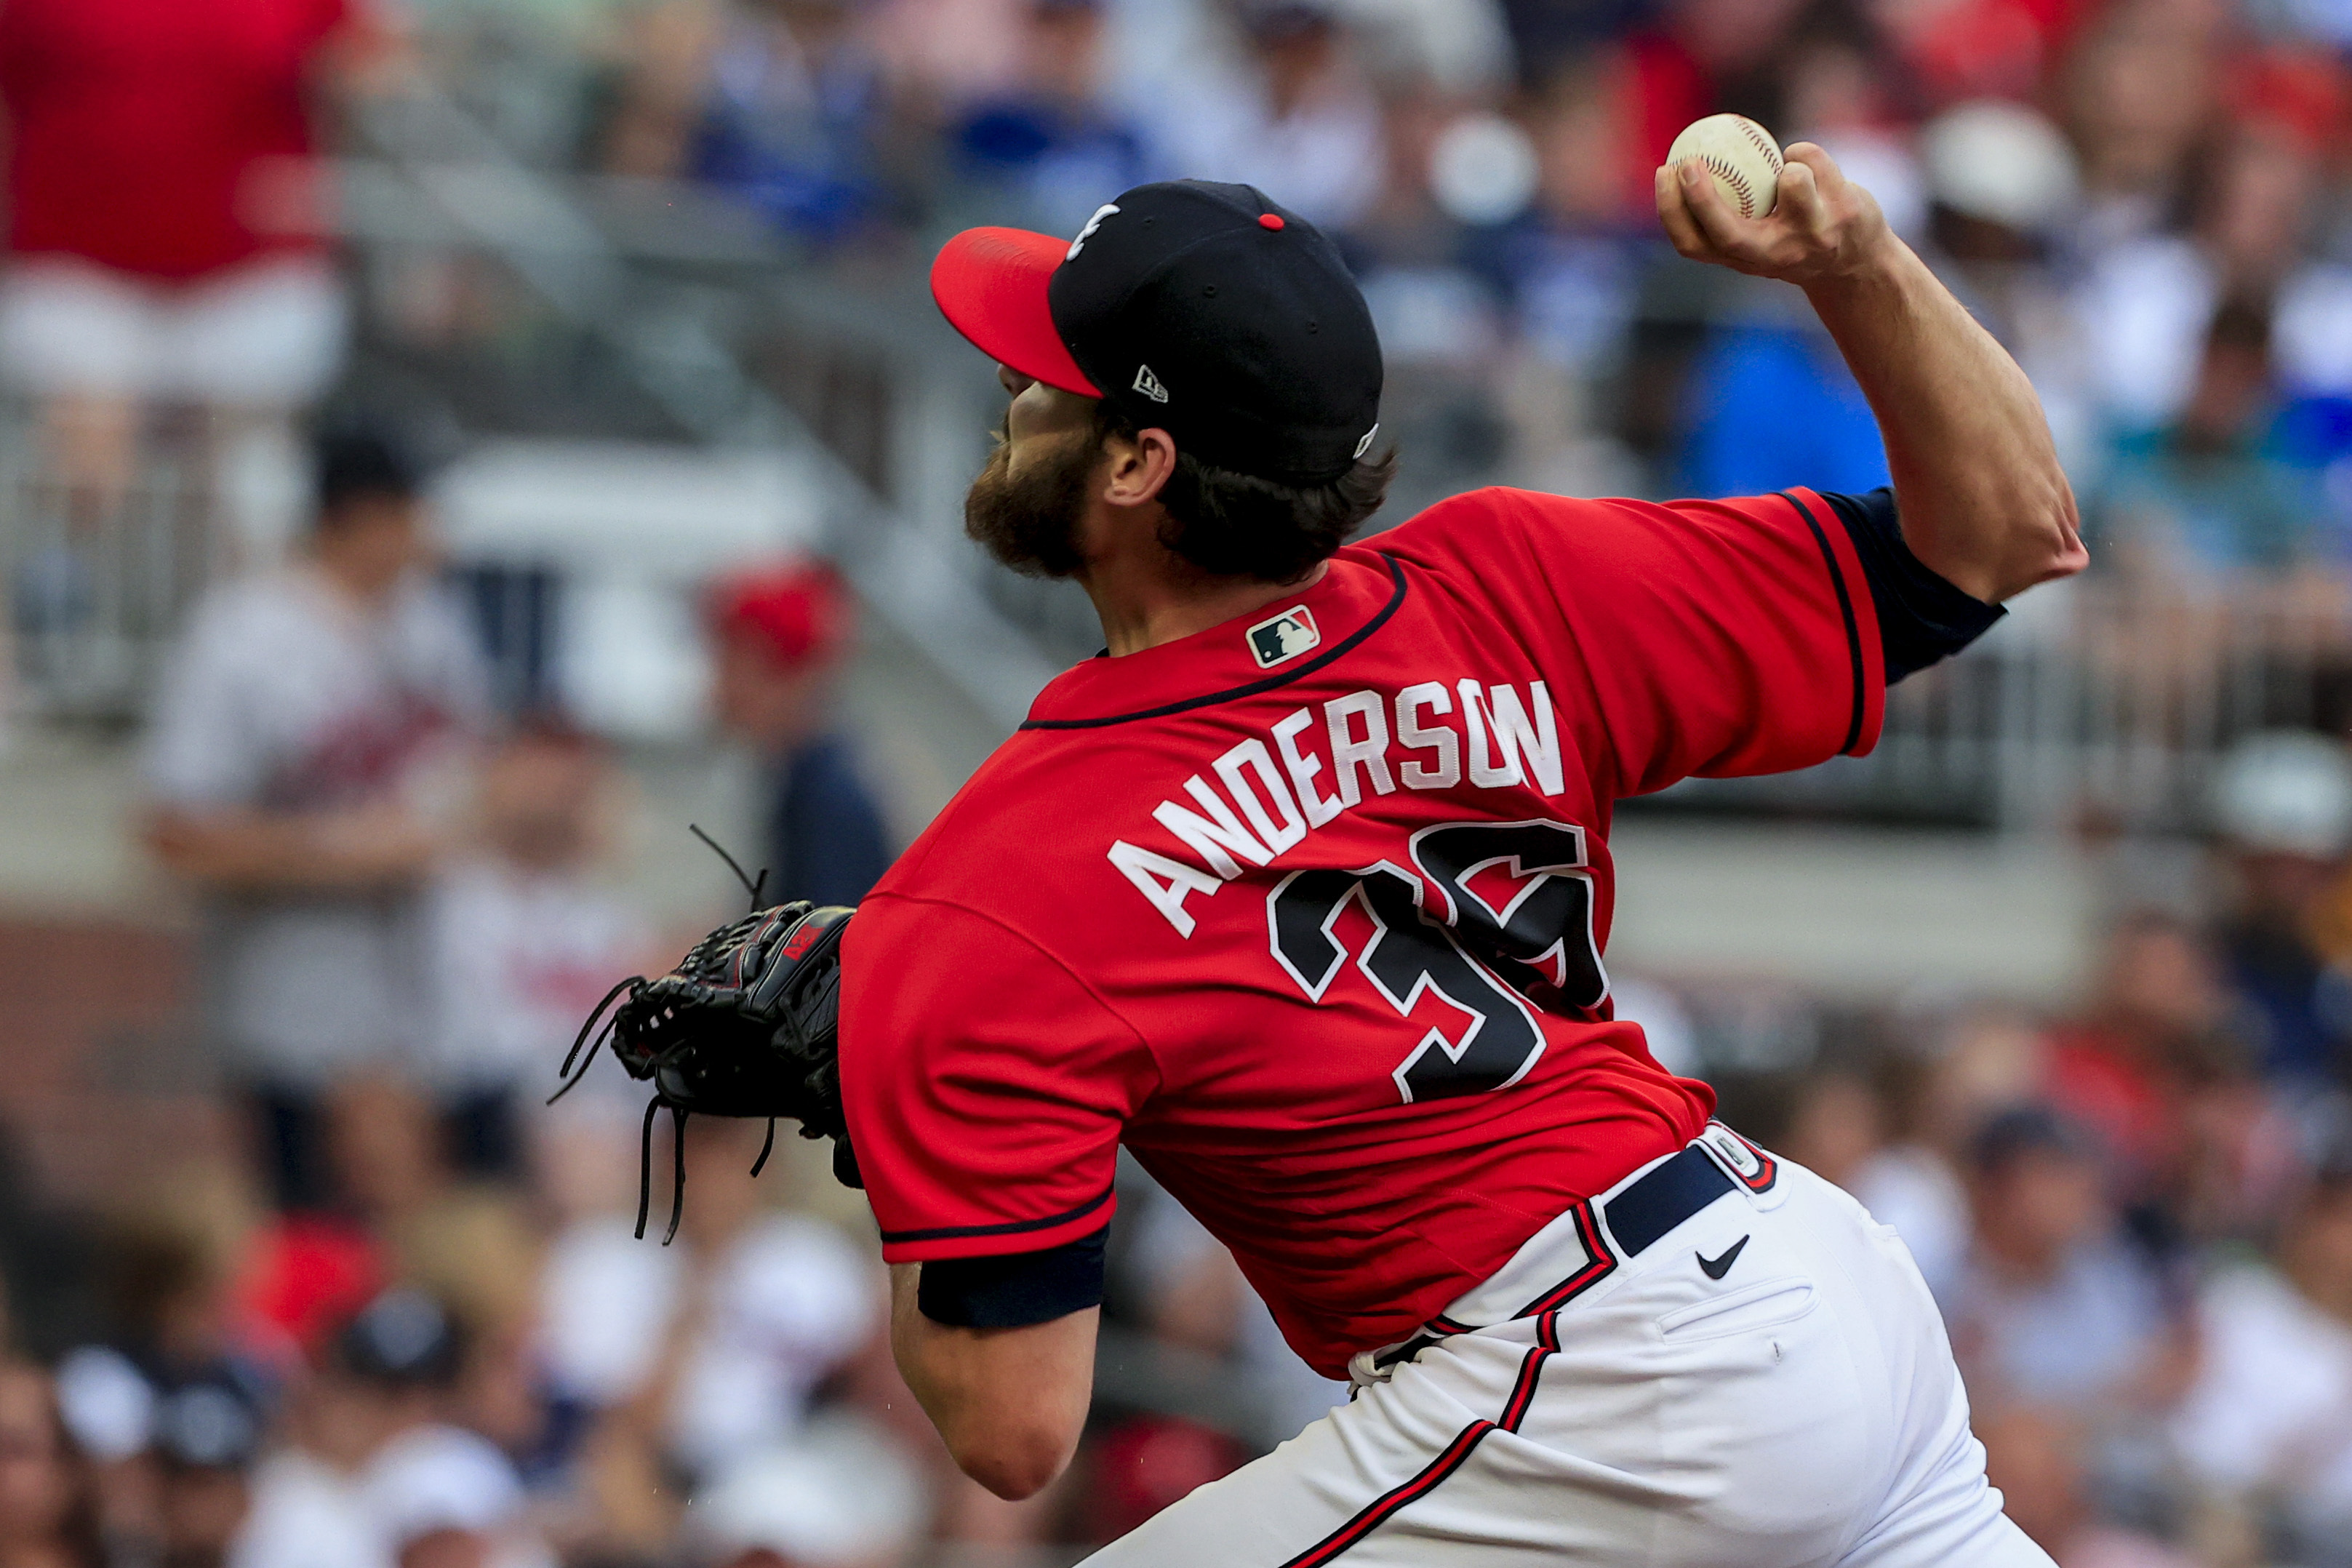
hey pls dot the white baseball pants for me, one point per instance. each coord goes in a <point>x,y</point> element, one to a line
<point>1751,1374</point>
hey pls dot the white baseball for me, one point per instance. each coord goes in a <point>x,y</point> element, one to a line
<point>1741,155</point>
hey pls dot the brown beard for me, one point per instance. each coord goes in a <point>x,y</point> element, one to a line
<point>1031,522</point>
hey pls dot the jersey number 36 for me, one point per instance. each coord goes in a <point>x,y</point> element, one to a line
<point>1485,961</point>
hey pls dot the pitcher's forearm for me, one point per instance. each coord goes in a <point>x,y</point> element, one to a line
<point>1010,1403</point>
<point>1984,501</point>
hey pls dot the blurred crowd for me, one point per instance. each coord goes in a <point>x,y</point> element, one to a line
<point>2142,198</point>
<point>418,1319</point>
<point>408,1321</point>
<point>2134,1211</point>
<point>412,1316</point>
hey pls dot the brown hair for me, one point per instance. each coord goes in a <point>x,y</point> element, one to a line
<point>1238,525</point>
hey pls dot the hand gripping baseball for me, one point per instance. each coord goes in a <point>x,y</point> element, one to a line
<point>1824,226</point>
<point>747,1024</point>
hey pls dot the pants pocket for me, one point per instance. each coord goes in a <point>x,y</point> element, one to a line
<point>1765,1304</point>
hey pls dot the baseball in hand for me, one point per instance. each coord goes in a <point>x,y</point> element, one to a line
<point>1741,155</point>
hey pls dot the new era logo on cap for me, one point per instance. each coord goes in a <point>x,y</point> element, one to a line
<point>1284,636</point>
<point>1210,288</point>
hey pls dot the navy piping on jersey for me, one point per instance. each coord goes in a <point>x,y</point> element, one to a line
<point>1271,683</point>
<point>1010,1227</point>
<point>1922,618</point>
<point>1845,608</point>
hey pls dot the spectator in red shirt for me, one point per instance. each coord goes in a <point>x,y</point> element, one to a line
<point>161,238</point>
<point>781,635</point>
<point>2157,1025</point>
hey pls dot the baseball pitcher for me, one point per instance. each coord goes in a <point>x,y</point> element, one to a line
<point>1301,891</point>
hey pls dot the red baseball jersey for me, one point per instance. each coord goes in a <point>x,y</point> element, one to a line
<point>1307,910</point>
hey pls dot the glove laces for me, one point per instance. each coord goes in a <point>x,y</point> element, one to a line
<point>632,987</point>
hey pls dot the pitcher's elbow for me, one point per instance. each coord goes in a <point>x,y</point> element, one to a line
<point>1014,1468</point>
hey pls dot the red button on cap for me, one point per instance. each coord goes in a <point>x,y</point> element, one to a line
<point>1269,220</point>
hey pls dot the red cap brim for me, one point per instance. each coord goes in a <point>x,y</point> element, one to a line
<point>991,285</point>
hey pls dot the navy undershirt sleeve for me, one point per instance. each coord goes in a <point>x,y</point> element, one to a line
<point>1016,1289</point>
<point>1921,617</point>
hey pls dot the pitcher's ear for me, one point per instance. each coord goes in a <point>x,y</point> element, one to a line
<point>1143,465</point>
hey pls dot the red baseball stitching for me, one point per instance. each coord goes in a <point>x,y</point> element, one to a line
<point>1735,180</point>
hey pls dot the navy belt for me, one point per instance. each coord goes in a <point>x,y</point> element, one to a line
<point>1661,1200</point>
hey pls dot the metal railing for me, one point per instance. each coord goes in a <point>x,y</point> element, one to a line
<point>2103,703</point>
<point>2105,706</point>
<point>98,584</point>
<point>631,287</point>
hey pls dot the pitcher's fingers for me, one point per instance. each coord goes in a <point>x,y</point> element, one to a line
<point>1813,156</point>
<point>1708,209</point>
<point>1676,215</point>
<point>1801,199</point>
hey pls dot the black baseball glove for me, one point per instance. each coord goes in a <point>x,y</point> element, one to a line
<point>747,1024</point>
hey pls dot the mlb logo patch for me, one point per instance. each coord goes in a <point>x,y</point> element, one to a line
<point>1284,636</point>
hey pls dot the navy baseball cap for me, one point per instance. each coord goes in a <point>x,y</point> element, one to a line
<point>211,1425</point>
<point>1201,309</point>
<point>402,1338</point>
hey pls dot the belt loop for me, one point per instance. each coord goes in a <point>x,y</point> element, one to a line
<point>1745,1163</point>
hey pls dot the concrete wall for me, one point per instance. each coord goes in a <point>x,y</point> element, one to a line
<point>1860,914</point>
<point>1857,914</point>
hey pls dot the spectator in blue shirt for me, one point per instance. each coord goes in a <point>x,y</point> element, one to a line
<point>777,103</point>
<point>1771,407</point>
<point>781,636</point>
<point>1052,140</point>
